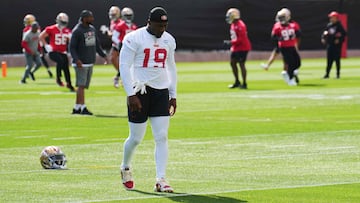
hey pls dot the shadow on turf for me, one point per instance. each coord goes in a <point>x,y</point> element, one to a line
<point>312,85</point>
<point>192,198</point>
<point>109,116</point>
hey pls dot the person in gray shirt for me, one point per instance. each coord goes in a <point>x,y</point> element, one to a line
<point>30,44</point>
<point>84,45</point>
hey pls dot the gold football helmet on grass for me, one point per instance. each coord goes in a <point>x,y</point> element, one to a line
<point>52,158</point>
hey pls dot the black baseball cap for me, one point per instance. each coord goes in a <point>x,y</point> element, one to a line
<point>158,14</point>
<point>85,13</point>
<point>35,24</point>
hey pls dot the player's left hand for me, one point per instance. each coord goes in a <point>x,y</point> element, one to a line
<point>172,106</point>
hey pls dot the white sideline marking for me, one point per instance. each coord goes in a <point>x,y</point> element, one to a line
<point>162,195</point>
<point>67,138</point>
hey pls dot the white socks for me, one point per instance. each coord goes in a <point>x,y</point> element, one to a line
<point>159,126</point>
<point>79,106</point>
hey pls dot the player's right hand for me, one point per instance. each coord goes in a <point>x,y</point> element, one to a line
<point>134,103</point>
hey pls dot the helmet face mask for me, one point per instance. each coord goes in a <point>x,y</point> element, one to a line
<point>53,158</point>
<point>231,15</point>
<point>62,19</point>
<point>284,16</point>
<point>127,15</point>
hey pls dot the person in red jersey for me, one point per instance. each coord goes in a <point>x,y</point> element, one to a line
<point>275,52</point>
<point>28,20</point>
<point>240,46</point>
<point>287,34</point>
<point>59,36</point>
<point>115,19</point>
<point>119,32</point>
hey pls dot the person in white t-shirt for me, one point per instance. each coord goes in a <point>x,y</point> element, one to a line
<point>148,70</point>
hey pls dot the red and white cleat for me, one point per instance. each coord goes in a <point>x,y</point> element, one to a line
<point>127,180</point>
<point>162,186</point>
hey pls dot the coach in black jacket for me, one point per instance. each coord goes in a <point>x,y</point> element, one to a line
<point>333,37</point>
<point>83,47</point>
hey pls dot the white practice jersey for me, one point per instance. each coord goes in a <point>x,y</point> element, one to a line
<point>152,60</point>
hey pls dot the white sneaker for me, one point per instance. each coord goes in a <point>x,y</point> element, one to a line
<point>162,186</point>
<point>127,180</point>
<point>264,66</point>
<point>116,82</point>
<point>285,77</point>
<point>292,82</point>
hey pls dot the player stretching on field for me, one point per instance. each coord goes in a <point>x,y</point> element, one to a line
<point>150,86</point>
<point>120,30</point>
<point>240,46</point>
<point>59,36</point>
<point>287,34</point>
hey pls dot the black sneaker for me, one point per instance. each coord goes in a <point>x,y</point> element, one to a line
<point>326,77</point>
<point>244,86</point>
<point>235,85</point>
<point>85,111</point>
<point>22,82</point>
<point>32,76</point>
<point>70,87</point>
<point>76,111</point>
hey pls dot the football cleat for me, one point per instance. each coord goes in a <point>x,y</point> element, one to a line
<point>62,19</point>
<point>236,84</point>
<point>285,76</point>
<point>114,13</point>
<point>264,66</point>
<point>162,186</point>
<point>116,82</point>
<point>52,158</point>
<point>231,15</point>
<point>292,82</point>
<point>127,180</point>
<point>127,14</point>
<point>284,16</point>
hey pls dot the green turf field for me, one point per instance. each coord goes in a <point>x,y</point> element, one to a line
<point>270,143</point>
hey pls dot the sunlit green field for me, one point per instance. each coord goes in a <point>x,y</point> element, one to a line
<point>270,143</point>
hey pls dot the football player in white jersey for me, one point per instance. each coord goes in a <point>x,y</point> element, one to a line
<point>148,70</point>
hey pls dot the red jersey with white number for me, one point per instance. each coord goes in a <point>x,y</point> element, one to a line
<point>58,38</point>
<point>113,23</point>
<point>239,37</point>
<point>286,34</point>
<point>151,60</point>
<point>123,28</point>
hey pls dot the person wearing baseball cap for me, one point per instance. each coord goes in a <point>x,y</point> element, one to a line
<point>148,72</point>
<point>84,45</point>
<point>333,36</point>
<point>157,22</point>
